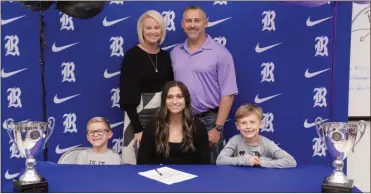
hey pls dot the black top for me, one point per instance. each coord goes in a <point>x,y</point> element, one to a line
<point>147,149</point>
<point>138,76</point>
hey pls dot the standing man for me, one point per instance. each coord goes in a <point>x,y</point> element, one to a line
<point>207,69</point>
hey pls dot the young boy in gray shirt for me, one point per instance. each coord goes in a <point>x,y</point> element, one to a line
<point>251,149</point>
<point>98,133</point>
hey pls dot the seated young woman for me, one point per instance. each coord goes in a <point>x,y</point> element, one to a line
<point>174,137</point>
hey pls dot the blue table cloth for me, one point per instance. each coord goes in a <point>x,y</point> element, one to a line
<point>211,178</point>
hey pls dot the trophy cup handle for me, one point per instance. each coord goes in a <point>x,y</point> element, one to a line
<point>361,128</point>
<point>51,125</point>
<point>9,126</point>
<point>320,132</point>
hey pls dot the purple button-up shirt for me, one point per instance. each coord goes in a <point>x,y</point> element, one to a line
<point>208,73</point>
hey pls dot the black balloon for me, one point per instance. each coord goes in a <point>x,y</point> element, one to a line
<point>37,5</point>
<point>81,9</point>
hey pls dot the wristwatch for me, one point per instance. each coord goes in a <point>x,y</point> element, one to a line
<point>219,127</point>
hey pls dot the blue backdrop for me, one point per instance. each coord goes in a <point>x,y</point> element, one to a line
<point>284,56</point>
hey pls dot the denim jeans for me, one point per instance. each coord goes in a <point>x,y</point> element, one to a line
<point>209,121</point>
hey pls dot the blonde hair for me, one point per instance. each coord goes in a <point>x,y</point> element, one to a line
<point>248,109</point>
<point>99,120</point>
<point>159,19</point>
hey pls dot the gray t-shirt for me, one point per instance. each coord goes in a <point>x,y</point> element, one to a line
<point>237,152</point>
<point>89,157</point>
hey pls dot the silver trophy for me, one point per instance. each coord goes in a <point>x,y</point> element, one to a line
<point>339,138</point>
<point>30,138</point>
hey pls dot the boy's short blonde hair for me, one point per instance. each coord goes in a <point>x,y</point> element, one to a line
<point>159,19</point>
<point>99,120</point>
<point>248,109</point>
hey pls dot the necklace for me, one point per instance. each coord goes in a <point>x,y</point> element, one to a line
<point>155,66</point>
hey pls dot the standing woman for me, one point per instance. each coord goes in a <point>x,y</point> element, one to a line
<point>144,71</point>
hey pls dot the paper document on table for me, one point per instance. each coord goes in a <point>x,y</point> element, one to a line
<point>167,175</point>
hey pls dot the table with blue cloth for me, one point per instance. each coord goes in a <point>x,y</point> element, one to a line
<point>210,178</point>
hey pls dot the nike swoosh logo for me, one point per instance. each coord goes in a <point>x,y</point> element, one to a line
<point>60,100</point>
<point>61,48</point>
<point>7,21</point>
<point>113,22</point>
<point>259,49</point>
<point>109,75</point>
<point>211,24</point>
<point>307,74</point>
<point>313,23</point>
<point>309,125</point>
<point>61,151</point>
<point>5,75</point>
<point>116,124</point>
<point>169,47</point>
<point>261,100</point>
<point>10,176</point>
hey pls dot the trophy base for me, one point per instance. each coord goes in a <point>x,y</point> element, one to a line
<point>337,188</point>
<point>40,187</point>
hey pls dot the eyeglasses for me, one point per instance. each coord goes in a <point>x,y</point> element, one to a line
<point>99,132</point>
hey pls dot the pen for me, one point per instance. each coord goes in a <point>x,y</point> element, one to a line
<point>158,172</point>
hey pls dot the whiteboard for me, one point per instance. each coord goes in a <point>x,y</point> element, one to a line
<point>359,81</point>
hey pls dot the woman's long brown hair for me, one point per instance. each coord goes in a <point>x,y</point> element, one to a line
<point>162,121</point>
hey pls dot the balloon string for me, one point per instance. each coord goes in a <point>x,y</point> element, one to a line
<point>332,64</point>
<point>42,64</point>
<point>333,50</point>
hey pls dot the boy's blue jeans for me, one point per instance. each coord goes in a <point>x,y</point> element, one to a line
<point>209,121</point>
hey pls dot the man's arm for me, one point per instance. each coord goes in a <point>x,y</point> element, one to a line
<point>223,112</point>
<point>224,109</point>
<point>228,88</point>
<point>227,84</point>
